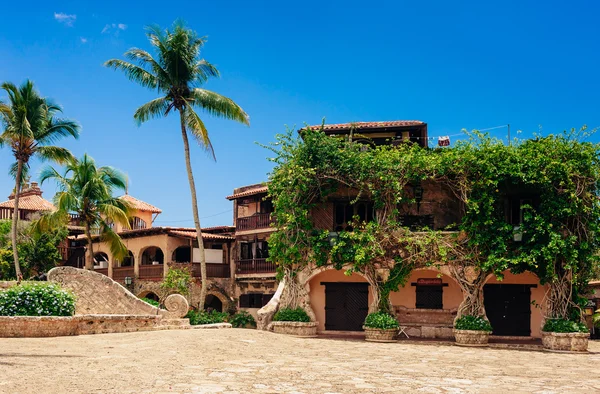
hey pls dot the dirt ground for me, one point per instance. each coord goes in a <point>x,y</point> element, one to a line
<point>249,361</point>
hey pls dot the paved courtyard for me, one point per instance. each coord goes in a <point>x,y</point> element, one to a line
<point>249,361</point>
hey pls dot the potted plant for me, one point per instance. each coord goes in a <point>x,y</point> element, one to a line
<point>565,335</point>
<point>380,327</point>
<point>293,322</point>
<point>472,330</point>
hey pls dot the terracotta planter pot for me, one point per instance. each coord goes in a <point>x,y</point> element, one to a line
<point>471,337</point>
<point>298,329</point>
<point>380,335</point>
<point>565,341</point>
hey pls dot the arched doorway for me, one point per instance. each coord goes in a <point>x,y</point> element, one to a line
<point>101,260</point>
<point>213,302</point>
<point>152,255</point>
<point>128,261</point>
<point>182,255</point>
<point>151,296</point>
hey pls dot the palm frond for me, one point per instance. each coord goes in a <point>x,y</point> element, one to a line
<point>117,247</point>
<point>156,108</point>
<point>204,70</point>
<point>134,73</point>
<point>54,153</point>
<point>57,129</point>
<point>113,177</point>
<point>197,128</point>
<point>25,172</point>
<point>147,61</point>
<point>217,105</point>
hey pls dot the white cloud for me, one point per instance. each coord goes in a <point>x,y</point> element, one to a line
<point>83,40</point>
<point>113,27</point>
<point>66,19</point>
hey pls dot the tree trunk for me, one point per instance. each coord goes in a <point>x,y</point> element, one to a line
<point>15,220</point>
<point>89,258</point>
<point>472,288</point>
<point>188,165</point>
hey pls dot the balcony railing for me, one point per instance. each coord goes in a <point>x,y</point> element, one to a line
<point>256,221</point>
<point>152,271</point>
<point>103,271</point>
<point>213,270</point>
<point>254,266</point>
<point>120,273</point>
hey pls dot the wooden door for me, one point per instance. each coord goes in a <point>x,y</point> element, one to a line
<point>508,308</point>
<point>346,305</point>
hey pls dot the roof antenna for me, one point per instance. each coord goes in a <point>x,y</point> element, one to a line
<point>127,186</point>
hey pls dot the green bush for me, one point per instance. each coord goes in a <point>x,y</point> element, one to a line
<point>475,323</point>
<point>151,302</point>
<point>381,320</point>
<point>287,314</point>
<point>242,319</point>
<point>562,325</point>
<point>37,299</point>
<point>203,317</point>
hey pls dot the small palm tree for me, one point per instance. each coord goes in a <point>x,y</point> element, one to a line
<point>87,190</point>
<point>177,73</point>
<point>30,127</point>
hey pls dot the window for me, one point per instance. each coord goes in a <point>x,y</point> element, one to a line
<point>266,206</point>
<point>254,250</point>
<point>136,223</point>
<point>515,208</point>
<point>256,300</point>
<point>344,213</point>
<point>429,293</point>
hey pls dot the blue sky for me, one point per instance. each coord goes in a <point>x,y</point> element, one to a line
<point>453,65</point>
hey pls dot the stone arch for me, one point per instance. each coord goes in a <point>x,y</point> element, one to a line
<point>152,254</point>
<point>182,254</point>
<point>214,295</point>
<point>150,295</point>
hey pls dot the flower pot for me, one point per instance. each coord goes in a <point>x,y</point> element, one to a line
<point>380,335</point>
<point>298,329</point>
<point>565,341</point>
<point>471,337</point>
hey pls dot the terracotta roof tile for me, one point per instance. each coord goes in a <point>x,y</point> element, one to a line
<point>192,235</point>
<point>367,125</point>
<point>32,203</point>
<point>140,205</point>
<point>251,192</point>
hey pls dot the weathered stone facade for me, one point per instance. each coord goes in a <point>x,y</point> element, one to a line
<point>298,329</point>
<point>565,342</point>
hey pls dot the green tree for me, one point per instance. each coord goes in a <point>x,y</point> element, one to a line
<point>87,190</point>
<point>30,127</point>
<point>177,72</point>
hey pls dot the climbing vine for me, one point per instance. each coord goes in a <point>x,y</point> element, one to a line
<point>555,180</point>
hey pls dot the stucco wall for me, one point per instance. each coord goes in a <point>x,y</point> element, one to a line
<point>317,291</point>
<point>537,295</point>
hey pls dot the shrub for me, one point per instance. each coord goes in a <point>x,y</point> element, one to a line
<point>562,325</point>
<point>242,319</point>
<point>203,317</point>
<point>475,323</point>
<point>381,320</point>
<point>37,299</point>
<point>288,314</point>
<point>151,302</point>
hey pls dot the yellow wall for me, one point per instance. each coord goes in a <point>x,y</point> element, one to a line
<point>144,215</point>
<point>407,297</point>
<point>537,295</point>
<point>317,291</point>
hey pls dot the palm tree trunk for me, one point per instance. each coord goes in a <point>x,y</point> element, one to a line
<point>89,258</point>
<point>188,165</point>
<point>15,220</point>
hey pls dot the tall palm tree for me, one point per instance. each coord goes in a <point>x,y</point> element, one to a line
<point>30,127</point>
<point>177,72</point>
<point>87,190</point>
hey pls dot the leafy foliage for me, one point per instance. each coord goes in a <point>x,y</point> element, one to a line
<point>559,174</point>
<point>470,322</point>
<point>36,299</point>
<point>381,320</point>
<point>563,325</point>
<point>177,280</point>
<point>242,319</point>
<point>288,314</point>
<point>150,301</point>
<point>203,317</point>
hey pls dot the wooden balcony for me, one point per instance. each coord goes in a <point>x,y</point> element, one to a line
<point>120,273</point>
<point>103,271</point>
<point>213,270</point>
<point>152,272</point>
<point>256,221</point>
<point>254,266</point>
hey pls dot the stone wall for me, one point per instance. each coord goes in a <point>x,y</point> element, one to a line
<point>53,326</point>
<point>98,294</point>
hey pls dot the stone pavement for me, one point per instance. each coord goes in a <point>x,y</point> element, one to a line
<point>250,361</point>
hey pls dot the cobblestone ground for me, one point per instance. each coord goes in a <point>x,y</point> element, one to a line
<point>249,361</point>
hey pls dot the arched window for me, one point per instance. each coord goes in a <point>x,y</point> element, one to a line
<point>152,256</point>
<point>128,261</point>
<point>182,255</point>
<point>137,223</point>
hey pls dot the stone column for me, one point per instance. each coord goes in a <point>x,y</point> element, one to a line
<point>111,261</point>
<point>136,264</point>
